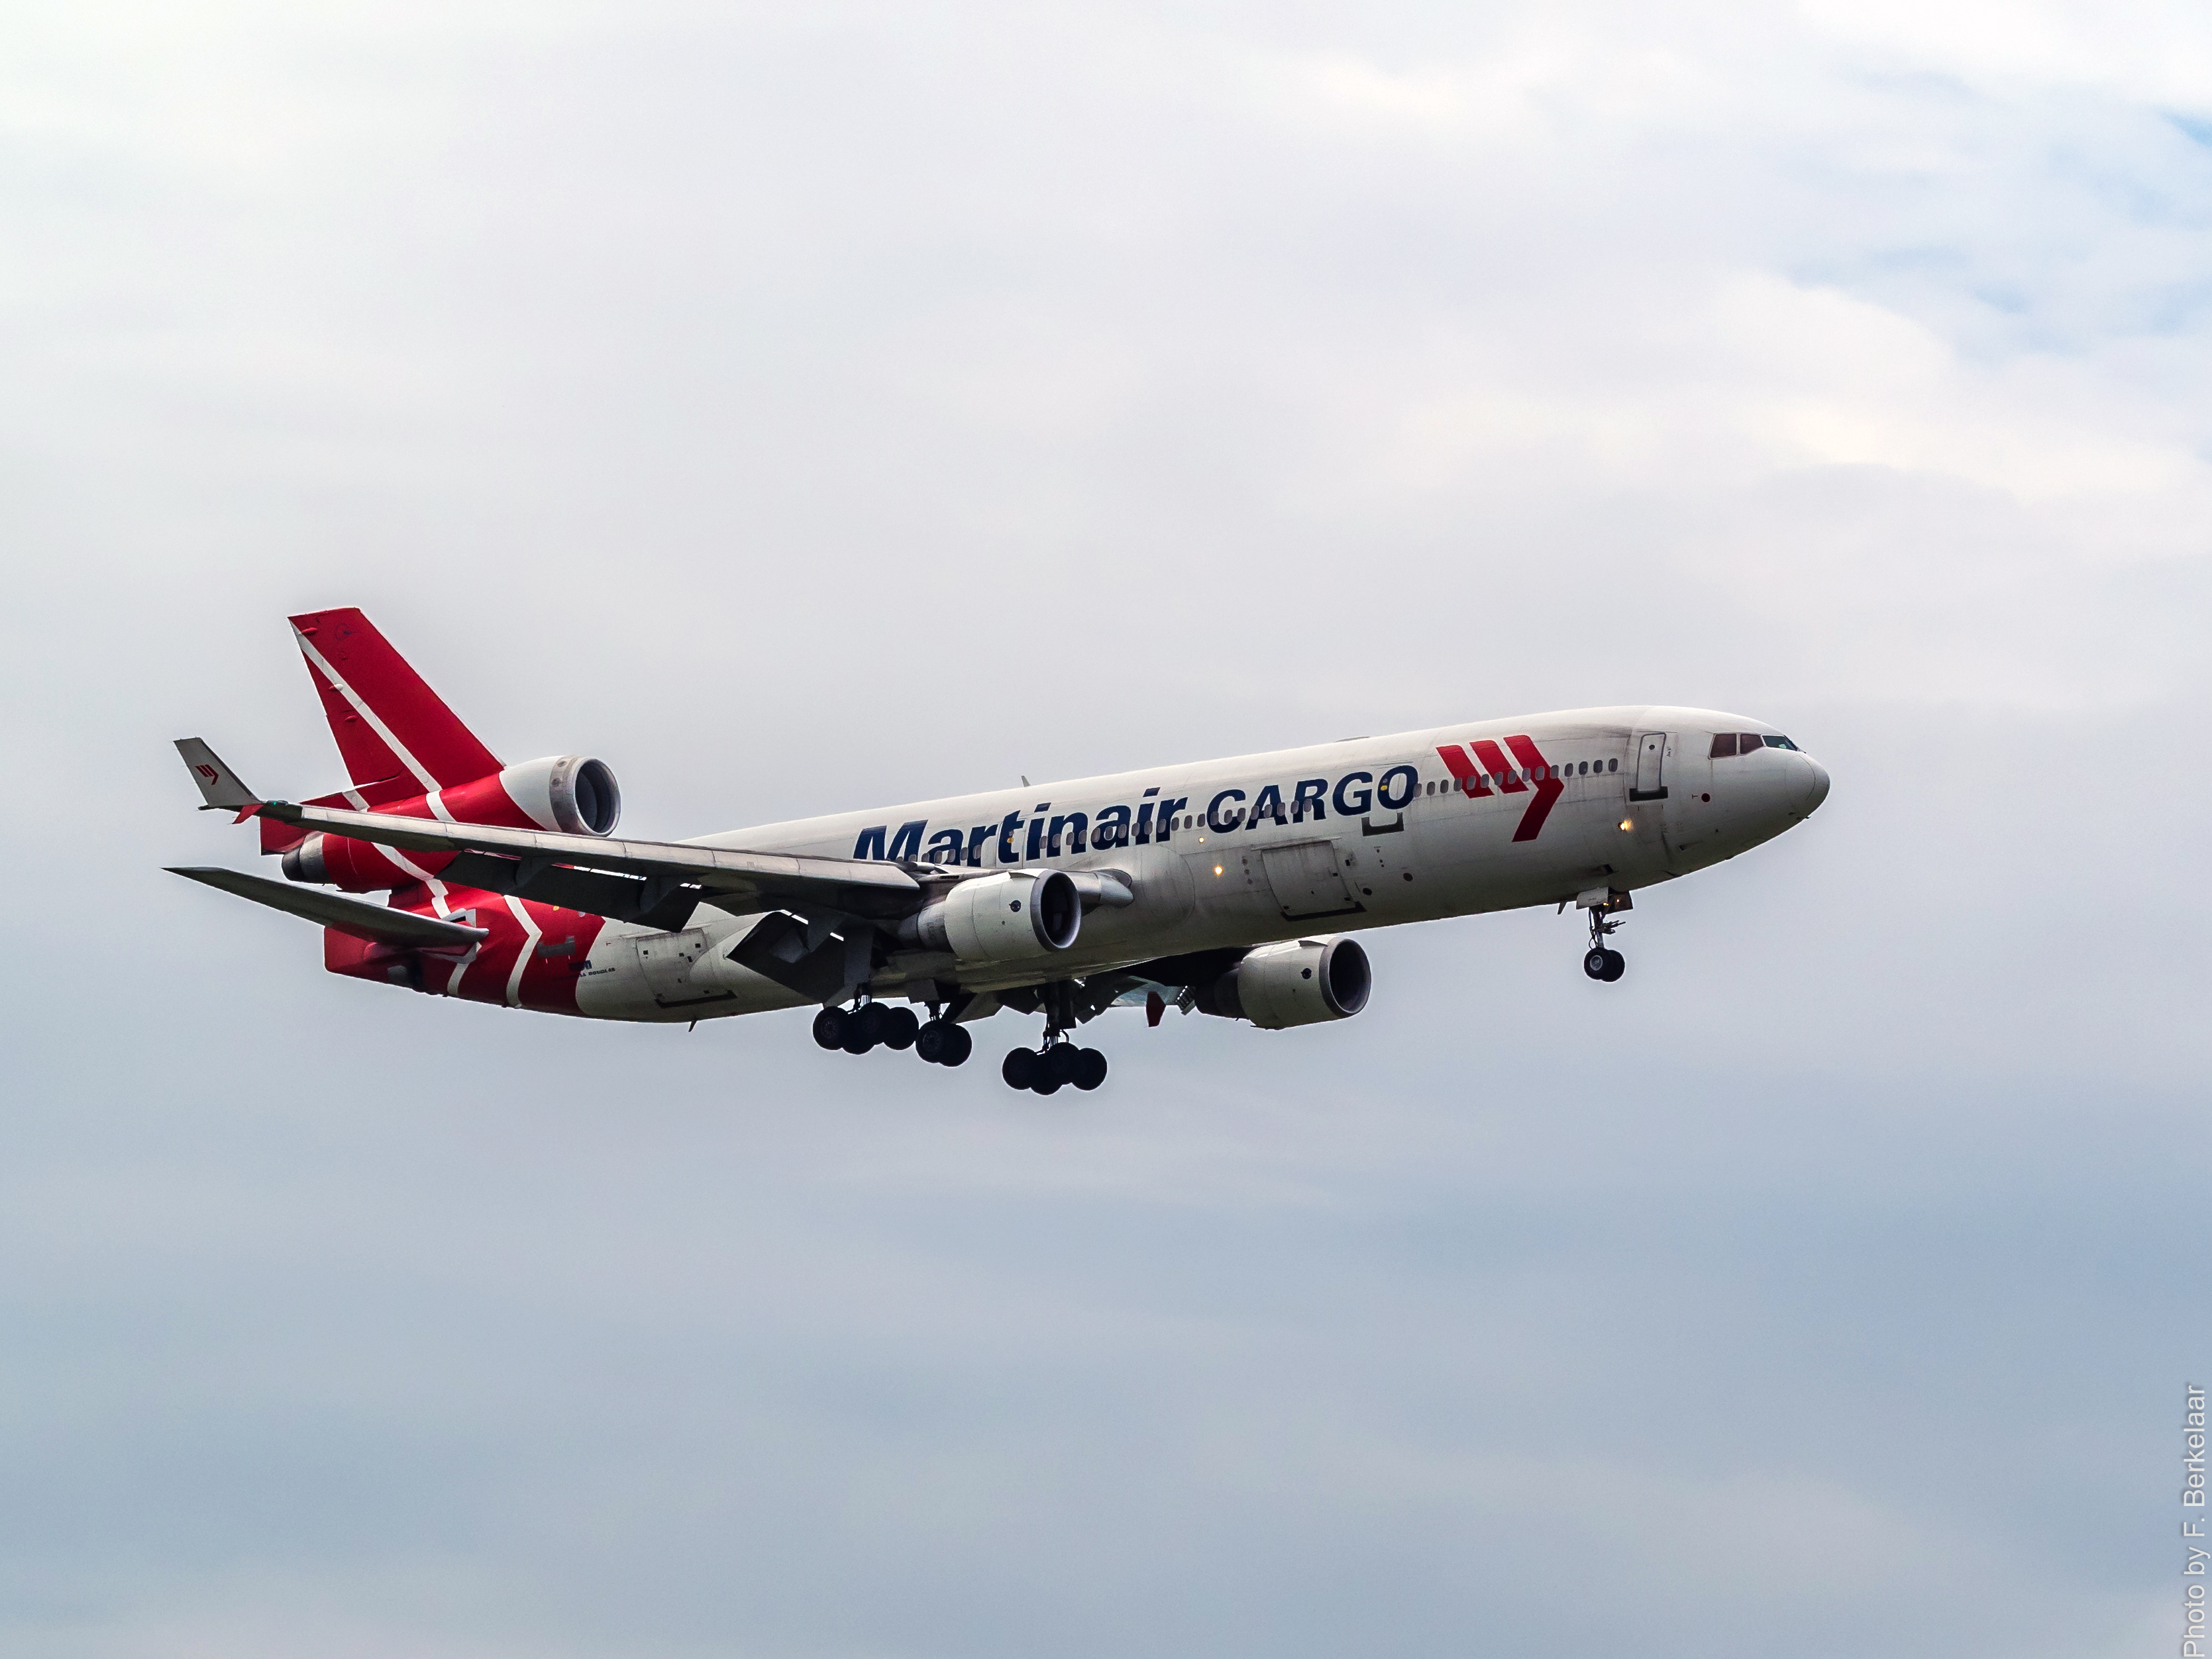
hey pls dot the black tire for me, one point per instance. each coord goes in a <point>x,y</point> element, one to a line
<point>1019,1068</point>
<point>874,1021</point>
<point>830,1028</point>
<point>1059,1063</point>
<point>929,1042</point>
<point>959,1045</point>
<point>1615,965</point>
<point>1090,1070</point>
<point>901,1027</point>
<point>1045,1085</point>
<point>1596,960</point>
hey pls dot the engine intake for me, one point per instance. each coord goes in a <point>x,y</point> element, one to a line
<point>1016,915</point>
<point>1302,982</point>
<point>573,793</point>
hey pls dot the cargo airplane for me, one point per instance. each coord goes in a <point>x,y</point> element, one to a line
<point>1227,887</point>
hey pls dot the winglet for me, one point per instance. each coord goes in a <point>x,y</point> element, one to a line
<point>219,787</point>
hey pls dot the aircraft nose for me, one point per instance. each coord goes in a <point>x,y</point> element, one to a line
<point>1809,786</point>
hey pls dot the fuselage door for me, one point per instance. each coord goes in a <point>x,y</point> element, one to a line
<point>1650,783</point>
<point>1307,878</point>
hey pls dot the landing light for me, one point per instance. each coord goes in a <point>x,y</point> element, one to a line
<point>1628,824</point>
<point>1216,869</point>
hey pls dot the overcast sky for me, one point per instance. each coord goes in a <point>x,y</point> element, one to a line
<point>805,408</point>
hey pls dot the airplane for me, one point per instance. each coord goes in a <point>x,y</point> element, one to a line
<point>1231,888</point>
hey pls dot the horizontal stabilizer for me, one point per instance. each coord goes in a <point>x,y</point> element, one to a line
<point>357,917</point>
<point>219,787</point>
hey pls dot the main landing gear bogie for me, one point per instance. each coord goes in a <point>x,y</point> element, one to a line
<point>875,1024</point>
<point>1058,1063</point>
<point>943,1044</point>
<point>1049,1070</point>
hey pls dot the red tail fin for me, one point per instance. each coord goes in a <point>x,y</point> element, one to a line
<point>388,723</point>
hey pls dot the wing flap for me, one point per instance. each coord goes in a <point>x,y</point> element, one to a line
<point>356,917</point>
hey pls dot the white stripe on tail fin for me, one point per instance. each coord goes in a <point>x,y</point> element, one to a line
<point>387,721</point>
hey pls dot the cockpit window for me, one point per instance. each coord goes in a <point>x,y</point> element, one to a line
<point>1745,742</point>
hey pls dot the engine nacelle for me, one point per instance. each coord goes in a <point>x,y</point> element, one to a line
<point>1302,982</point>
<point>1016,915</point>
<point>573,793</point>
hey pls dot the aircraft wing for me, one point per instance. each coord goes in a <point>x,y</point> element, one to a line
<point>349,915</point>
<point>654,882</point>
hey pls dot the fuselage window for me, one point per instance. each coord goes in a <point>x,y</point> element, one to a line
<point>1613,766</point>
<point>1723,743</point>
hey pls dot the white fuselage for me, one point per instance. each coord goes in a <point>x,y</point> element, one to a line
<point>1368,832</point>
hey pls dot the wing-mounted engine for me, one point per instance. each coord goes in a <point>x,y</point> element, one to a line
<point>573,794</point>
<point>1302,982</point>
<point>1016,915</point>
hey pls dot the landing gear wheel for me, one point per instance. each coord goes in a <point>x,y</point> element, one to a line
<point>1597,960</point>
<point>943,1044</point>
<point>1615,965</point>
<point>830,1028</point>
<point>1090,1069</point>
<point>866,1027</point>
<point>1019,1068</point>
<point>1058,1063</point>
<point>901,1028</point>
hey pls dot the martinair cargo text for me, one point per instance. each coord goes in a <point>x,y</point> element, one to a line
<point>1229,887</point>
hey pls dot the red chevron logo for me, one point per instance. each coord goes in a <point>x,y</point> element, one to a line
<point>1490,766</point>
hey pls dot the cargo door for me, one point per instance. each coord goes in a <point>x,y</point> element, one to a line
<point>1307,879</point>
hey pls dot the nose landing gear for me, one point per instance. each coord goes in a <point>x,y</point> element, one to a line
<point>1602,962</point>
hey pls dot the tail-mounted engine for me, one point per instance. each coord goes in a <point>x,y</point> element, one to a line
<point>573,793</point>
<point>1299,983</point>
